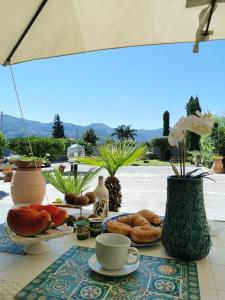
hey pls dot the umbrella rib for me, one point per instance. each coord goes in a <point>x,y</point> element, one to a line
<point>206,33</point>
<point>7,61</point>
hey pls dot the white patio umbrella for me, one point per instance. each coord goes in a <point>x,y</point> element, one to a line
<point>34,29</point>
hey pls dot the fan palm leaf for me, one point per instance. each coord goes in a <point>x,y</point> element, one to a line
<point>71,184</point>
<point>114,156</point>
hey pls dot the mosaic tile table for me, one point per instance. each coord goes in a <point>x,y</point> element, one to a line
<point>6,244</point>
<point>70,278</point>
<point>20,270</point>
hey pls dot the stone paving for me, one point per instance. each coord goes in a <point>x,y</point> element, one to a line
<point>142,187</point>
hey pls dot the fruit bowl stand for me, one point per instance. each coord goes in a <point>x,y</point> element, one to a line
<point>37,244</point>
<point>66,205</point>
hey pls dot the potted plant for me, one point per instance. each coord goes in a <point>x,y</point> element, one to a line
<point>8,175</point>
<point>24,162</point>
<point>112,157</point>
<point>185,233</point>
<point>217,166</point>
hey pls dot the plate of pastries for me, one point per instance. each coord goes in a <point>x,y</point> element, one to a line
<point>144,227</point>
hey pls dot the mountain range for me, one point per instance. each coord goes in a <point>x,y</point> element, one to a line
<point>13,127</point>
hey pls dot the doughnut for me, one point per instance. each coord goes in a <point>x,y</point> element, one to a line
<point>118,227</point>
<point>150,216</point>
<point>145,234</point>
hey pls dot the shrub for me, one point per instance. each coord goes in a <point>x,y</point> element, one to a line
<point>3,143</point>
<point>207,150</point>
<point>160,143</point>
<point>213,143</point>
<point>40,146</point>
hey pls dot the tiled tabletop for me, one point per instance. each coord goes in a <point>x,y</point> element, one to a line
<point>16,271</point>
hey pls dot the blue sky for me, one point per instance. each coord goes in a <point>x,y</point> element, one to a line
<point>122,86</point>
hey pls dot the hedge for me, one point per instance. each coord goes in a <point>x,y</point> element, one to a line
<point>45,145</point>
<point>3,143</point>
<point>40,146</point>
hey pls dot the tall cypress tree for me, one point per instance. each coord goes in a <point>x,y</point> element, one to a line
<point>166,123</point>
<point>57,128</point>
<point>90,137</point>
<point>193,139</point>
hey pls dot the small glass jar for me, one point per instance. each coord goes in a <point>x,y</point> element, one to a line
<point>95,226</point>
<point>82,227</point>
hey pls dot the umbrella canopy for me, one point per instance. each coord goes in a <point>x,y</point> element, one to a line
<point>46,28</point>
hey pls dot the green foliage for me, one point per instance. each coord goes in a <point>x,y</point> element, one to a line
<point>114,156</point>
<point>192,139</point>
<point>109,140</point>
<point>90,137</point>
<point>40,146</point>
<point>70,184</point>
<point>161,143</point>
<point>57,128</point>
<point>124,132</point>
<point>3,143</point>
<point>214,143</point>
<point>166,123</point>
<point>207,150</point>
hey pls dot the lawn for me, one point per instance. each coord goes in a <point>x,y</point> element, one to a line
<point>155,163</point>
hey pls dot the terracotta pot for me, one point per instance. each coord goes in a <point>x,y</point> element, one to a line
<point>217,166</point>
<point>28,186</point>
<point>8,178</point>
<point>23,164</point>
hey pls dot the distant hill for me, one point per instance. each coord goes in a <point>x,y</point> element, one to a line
<point>14,127</point>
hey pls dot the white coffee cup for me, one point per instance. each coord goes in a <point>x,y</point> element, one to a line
<point>113,249</point>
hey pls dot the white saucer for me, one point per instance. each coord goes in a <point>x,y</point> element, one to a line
<point>125,270</point>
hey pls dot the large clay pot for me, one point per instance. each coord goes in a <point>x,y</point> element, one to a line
<point>217,166</point>
<point>185,233</point>
<point>28,186</point>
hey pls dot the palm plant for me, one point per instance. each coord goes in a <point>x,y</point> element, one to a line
<point>71,184</point>
<point>124,132</point>
<point>112,157</point>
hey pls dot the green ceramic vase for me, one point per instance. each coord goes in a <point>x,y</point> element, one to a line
<point>185,233</point>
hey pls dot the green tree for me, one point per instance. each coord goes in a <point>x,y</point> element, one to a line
<point>166,123</point>
<point>3,143</point>
<point>193,139</point>
<point>124,132</point>
<point>112,157</point>
<point>57,128</point>
<point>90,137</point>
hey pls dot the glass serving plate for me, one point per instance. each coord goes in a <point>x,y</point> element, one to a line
<point>37,244</point>
<point>133,244</point>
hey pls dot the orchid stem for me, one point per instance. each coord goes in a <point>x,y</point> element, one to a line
<point>184,158</point>
<point>180,148</point>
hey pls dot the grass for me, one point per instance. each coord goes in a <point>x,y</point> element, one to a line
<point>155,163</point>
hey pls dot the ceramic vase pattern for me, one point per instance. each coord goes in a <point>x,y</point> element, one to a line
<point>185,233</point>
<point>101,205</point>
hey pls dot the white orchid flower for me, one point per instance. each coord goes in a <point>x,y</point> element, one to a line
<point>176,135</point>
<point>201,124</point>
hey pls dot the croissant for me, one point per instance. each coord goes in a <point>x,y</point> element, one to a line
<point>139,220</point>
<point>126,219</point>
<point>134,220</point>
<point>150,216</point>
